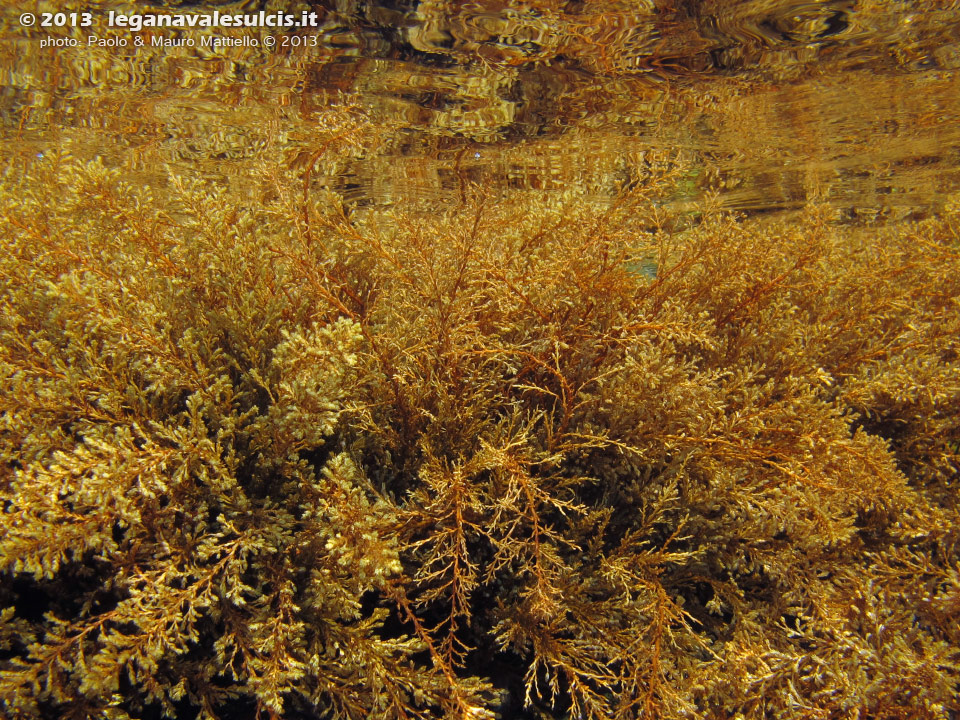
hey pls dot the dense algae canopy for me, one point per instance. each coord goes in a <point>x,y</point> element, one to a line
<point>541,458</point>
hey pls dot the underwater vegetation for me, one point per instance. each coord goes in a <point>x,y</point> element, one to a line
<point>271,456</point>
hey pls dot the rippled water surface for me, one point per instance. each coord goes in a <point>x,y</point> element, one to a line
<point>770,103</point>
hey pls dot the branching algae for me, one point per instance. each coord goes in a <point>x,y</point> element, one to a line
<point>282,460</point>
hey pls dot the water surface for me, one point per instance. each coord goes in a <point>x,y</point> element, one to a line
<point>771,104</point>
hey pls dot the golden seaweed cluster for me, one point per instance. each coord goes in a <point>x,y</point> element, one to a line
<point>273,457</point>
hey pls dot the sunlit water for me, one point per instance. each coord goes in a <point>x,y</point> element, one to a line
<point>771,104</point>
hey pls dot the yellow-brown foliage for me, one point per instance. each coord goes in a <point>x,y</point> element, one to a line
<point>288,459</point>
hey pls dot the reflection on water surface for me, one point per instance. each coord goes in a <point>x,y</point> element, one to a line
<point>773,103</point>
